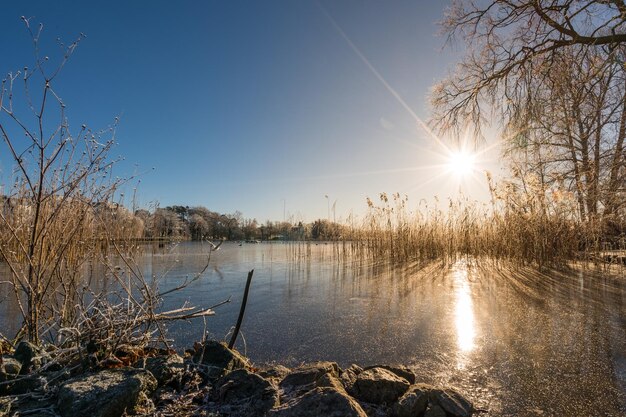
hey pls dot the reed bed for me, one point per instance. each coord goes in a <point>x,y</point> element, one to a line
<point>519,228</point>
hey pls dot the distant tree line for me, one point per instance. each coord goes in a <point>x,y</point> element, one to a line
<point>198,223</point>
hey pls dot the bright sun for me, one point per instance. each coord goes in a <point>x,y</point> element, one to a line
<point>461,163</point>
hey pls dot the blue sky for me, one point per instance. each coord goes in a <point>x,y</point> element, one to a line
<point>253,106</point>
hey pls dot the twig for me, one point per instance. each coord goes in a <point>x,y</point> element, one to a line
<point>241,311</point>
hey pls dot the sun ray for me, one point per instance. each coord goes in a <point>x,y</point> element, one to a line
<point>429,181</point>
<point>383,81</point>
<point>440,167</point>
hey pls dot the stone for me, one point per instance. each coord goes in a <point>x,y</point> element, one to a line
<point>276,373</point>
<point>413,402</point>
<point>435,411</point>
<point>9,368</point>
<point>309,374</point>
<point>30,356</point>
<point>349,375</point>
<point>107,393</point>
<point>16,384</point>
<point>328,380</point>
<point>34,406</point>
<point>378,386</point>
<point>24,384</point>
<point>375,410</point>
<point>401,371</point>
<point>327,402</point>
<point>243,393</point>
<point>166,369</point>
<point>219,359</point>
<point>453,403</point>
<point>5,406</point>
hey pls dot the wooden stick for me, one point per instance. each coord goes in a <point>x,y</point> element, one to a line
<point>241,311</point>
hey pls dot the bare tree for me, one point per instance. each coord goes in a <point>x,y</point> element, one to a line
<point>567,129</point>
<point>61,212</point>
<point>231,224</point>
<point>166,223</point>
<point>250,228</point>
<point>198,226</point>
<point>507,40</point>
<point>551,74</point>
<point>60,174</point>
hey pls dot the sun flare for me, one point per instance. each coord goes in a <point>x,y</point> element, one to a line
<point>461,163</point>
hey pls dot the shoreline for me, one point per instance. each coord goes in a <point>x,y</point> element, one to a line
<point>212,380</point>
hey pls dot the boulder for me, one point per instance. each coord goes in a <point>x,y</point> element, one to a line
<point>9,368</point>
<point>435,411</point>
<point>31,406</point>
<point>30,356</point>
<point>349,375</point>
<point>378,385</point>
<point>5,406</point>
<point>275,373</point>
<point>14,382</point>
<point>328,380</point>
<point>309,374</point>
<point>413,402</point>
<point>327,402</point>
<point>218,358</point>
<point>401,371</point>
<point>24,384</point>
<point>107,393</point>
<point>243,393</point>
<point>166,369</point>
<point>453,403</point>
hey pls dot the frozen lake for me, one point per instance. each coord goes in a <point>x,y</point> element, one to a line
<point>516,341</point>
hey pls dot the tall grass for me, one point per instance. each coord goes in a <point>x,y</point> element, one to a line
<point>60,211</point>
<point>523,226</point>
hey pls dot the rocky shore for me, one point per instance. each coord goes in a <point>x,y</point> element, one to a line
<point>212,380</point>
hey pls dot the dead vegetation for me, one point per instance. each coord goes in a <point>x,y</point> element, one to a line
<point>61,214</point>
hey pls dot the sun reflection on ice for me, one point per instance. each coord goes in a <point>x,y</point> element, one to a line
<point>464,309</point>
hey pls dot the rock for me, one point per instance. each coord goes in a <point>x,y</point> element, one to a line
<point>453,403</point>
<point>34,406</point>
<point>218,359</point>
<point>166,369</point>
<point>327,380</point>
<point>435,411</point>
<point>107,393</point>
<point>401,371</point>
<point>30,356</point>
<point>243,393</point>
<point>16,384</point>
<point>326,402</point>
<point>9,368</point>
<point>374,410</point>
<point>5,406</point>
<point>413,402</point>
<point>133,354</point>
<point>309,374</point>
<point>378,385</point>
<point>349,375</point>
<point>275,373</point>
<point>24,384</point>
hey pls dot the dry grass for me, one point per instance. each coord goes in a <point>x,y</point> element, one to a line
<point>60,213</point>
<point>524,227</point>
